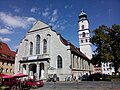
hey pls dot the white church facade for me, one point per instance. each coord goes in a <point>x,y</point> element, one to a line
<point>43,51</point>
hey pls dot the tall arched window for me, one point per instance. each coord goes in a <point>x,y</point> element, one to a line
<point>59,62</point>
<point>37,44</point>
<point>83,34</point>
<point>31,48</point>
<point>44,46</point>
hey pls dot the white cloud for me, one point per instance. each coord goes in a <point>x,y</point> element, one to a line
<point>54,16</point>
<point>16,21</point>
<point>46,12</point>
<point>5,31</point>
<point>15,47</point>
<point>17,10</point>
<point>5,39</point>
<point>67,6</point>
<point>34,9</point>
<point>55,12</point>
<point>31,20</point>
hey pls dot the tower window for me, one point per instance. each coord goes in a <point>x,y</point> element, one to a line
<point>82,27</point>
<point>83,34</point>
<point>86,40</point>
<point>81,41</point>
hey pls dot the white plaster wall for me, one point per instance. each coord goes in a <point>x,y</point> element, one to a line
<point>85,23</point>
<point>86,49</point>
<point>56,48</point>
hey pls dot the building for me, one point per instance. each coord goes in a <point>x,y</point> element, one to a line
<point>97,69</point>
<point>43,51</point>
<point>7,59</point>
<point>107,68</point>
<point>84,35</point>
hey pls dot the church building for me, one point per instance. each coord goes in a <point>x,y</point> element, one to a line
<point>43,52</point>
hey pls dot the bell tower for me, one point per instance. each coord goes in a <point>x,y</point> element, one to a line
<point>84,35</point>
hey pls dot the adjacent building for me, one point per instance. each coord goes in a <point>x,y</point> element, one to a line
<point>107,68</point>
<point>44,51</point>
<point>7,59</point>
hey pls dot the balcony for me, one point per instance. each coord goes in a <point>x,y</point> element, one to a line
<point>36,57</point>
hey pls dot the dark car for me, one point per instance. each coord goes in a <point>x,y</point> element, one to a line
<point>84,77</point>
<point>97,77</point>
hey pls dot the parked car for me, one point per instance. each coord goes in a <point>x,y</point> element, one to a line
<point>33,83</point>
<point>84,77</point>
<point>97,77</point>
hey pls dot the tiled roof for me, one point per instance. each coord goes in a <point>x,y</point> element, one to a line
<point>4,49</point>
<point>73,48</point>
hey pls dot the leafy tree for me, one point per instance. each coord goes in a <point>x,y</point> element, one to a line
<point>114,34</point>
<point>107,45</point>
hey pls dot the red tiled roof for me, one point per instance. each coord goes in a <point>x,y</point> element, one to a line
<point>4,49</point>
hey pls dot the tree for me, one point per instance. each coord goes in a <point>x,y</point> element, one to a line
<point>107,45</point>
<point>114,34</point>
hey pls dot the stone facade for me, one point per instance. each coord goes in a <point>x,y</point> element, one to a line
<point>43,51</point>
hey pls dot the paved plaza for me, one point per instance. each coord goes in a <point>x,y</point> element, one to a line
<point>84,85</point>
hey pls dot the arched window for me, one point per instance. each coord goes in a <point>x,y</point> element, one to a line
<point>44,46</point>
<point>81,41</point>
<point>82,27</point>
<point>31,48</point>
<point>59,62</point>
<point>83,34</point>
<point>37,44</point>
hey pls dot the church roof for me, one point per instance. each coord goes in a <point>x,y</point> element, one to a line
<point>38,26</point>
<point>73,48</point>
<point>82,14</point>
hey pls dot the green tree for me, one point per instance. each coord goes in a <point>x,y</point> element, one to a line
<point>107,45</point>
<point>114,34</point>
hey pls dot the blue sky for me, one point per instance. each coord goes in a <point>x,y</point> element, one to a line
<point>18,16</point>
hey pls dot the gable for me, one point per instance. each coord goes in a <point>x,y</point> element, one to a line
<point>39,25</point>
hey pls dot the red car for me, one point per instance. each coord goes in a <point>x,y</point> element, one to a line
<point>33,83</point>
